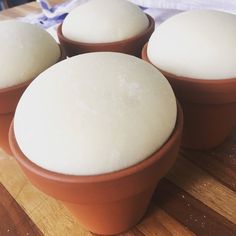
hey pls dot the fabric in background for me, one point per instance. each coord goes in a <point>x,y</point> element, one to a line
<point>160,10</point>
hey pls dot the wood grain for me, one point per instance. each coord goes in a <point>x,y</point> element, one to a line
<point>158,222</point>
<point>226,153</point>
<point>49,215</point>
<point>219,162</point>
<point>191,212</point>
<point>215,167</point>
<point>204,187</point>
<point>14,221</point>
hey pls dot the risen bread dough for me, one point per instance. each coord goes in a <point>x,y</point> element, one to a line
<point>25,51</point>
<point>197,44</point>
<point>95,113</point>
<point>102,21</point>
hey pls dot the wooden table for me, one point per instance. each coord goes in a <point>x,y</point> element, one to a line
<point>196,198</point>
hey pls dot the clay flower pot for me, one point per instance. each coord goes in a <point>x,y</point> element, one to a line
<point>9,98</point>
<point>107,203</point>
<point>209,108</point>
<point>132,46</point>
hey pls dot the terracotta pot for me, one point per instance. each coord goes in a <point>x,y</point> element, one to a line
<point>209,108</point>
<point>108,203</point>
<point>132,46</point>
<point>9,98</point>
<point>5,122</point>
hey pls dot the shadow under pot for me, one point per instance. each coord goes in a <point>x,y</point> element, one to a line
<point>209,108</point>
<point>108,203</point>
<point>132,46</point>
<point>9,98</point>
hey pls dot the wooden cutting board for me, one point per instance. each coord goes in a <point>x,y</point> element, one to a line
<point>196,198</point>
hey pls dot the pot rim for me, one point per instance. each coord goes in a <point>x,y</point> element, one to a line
<point>188,79</point>
<point>26,83</point>
<point>133,38</point>
<point>101,178</point>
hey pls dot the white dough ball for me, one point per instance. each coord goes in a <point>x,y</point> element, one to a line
<point>198,44</point>
<point>104,21</point>
<point>95,113</point>
<point>25,51</point>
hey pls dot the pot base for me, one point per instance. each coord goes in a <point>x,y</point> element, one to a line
<point>114,217</point>
<point>5,122</point>
<point>206,125</point>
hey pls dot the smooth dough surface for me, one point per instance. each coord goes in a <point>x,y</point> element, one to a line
<point>25,51</point>
<point>103,21</point>
<point>95,113</point>
<point>197,44</point>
